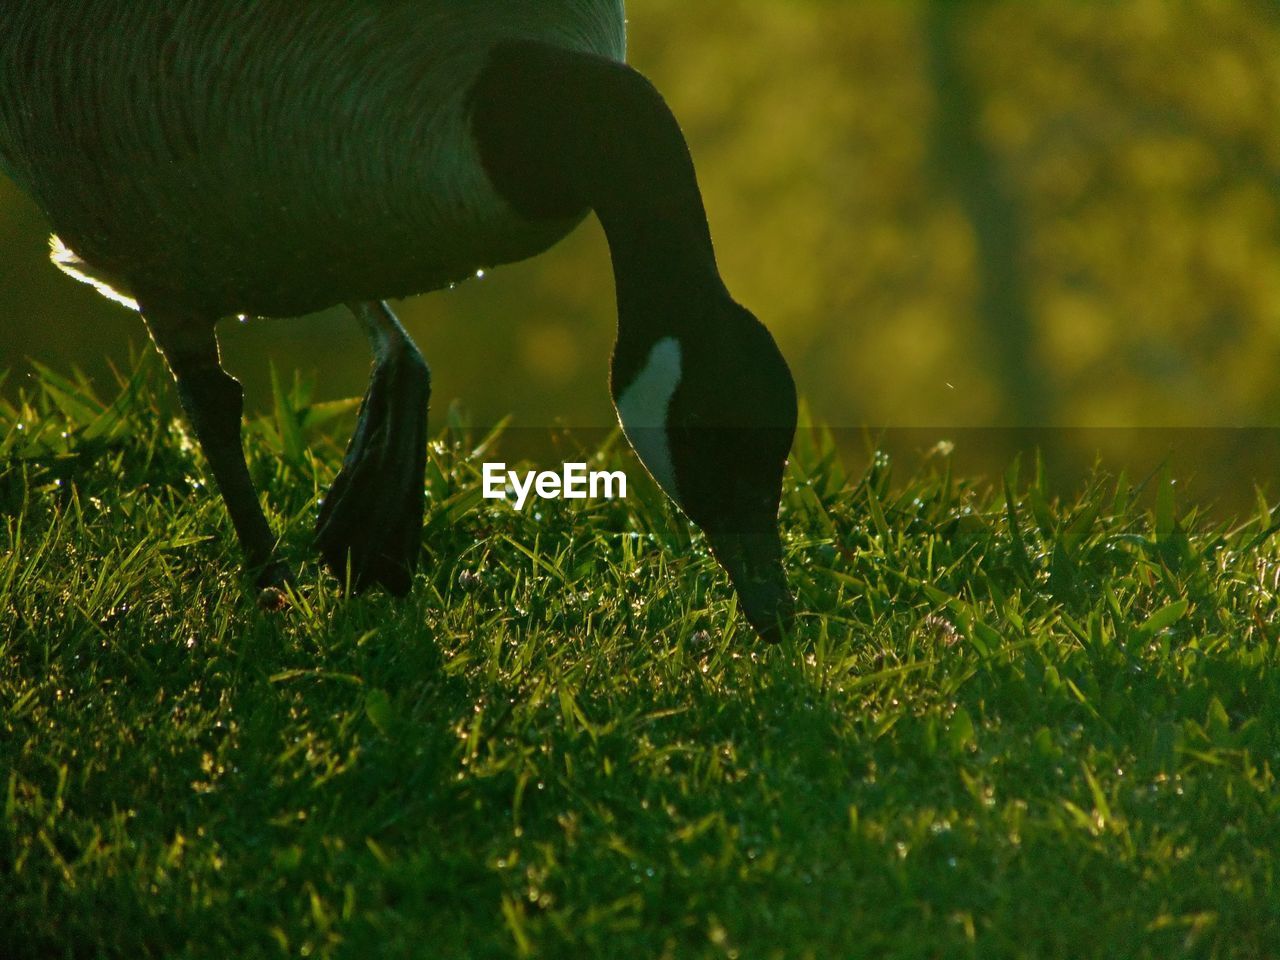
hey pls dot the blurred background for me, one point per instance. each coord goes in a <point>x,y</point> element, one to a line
<point>961,217</point>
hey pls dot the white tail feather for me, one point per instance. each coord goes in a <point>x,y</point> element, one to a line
<point>71,263</point>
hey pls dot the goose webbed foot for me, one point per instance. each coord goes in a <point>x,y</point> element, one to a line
<point>370,524</point>
<point>273,583</point>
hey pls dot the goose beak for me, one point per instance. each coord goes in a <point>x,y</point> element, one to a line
<point>754,563</point>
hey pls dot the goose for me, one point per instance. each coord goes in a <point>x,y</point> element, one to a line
<point>200,159</point>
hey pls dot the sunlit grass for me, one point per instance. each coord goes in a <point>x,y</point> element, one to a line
<point>1007,725</point>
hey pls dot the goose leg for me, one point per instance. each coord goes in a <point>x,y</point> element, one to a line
<point>214,404</point>
<point>370,525</point>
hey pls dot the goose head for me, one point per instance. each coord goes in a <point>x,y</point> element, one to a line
<point>709,406</point>
<point>703,394</point>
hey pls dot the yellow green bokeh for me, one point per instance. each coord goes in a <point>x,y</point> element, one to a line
<point>1132,147</point>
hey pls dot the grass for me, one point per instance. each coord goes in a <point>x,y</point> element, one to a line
<point>1008,725</point>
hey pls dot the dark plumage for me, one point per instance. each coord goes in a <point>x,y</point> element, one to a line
<point>201,158</point>
<point>270,157</point>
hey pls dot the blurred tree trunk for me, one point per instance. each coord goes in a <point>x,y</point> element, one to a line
<point>967,168</point>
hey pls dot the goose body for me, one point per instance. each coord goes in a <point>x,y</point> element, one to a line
<point>201,158</point>
<point>271,157</point>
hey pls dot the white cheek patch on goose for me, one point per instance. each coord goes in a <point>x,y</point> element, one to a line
<point>642,408</point>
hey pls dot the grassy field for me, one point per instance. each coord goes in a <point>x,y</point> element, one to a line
<point>1007,726</point>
